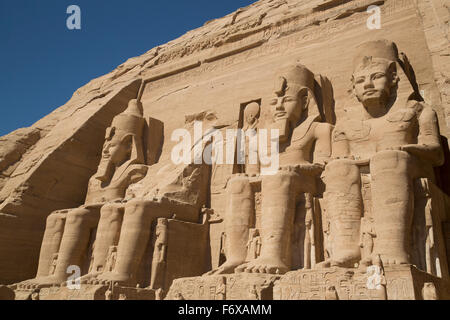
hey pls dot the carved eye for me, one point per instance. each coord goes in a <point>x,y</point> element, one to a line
<point>359,80</point>
<point>378,75</point>
<point>289,99</point>
<point>273,101</point>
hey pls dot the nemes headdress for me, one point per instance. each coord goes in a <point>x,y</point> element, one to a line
<point>131,122</point>
<point>294,75</point>
<point>387,51</point>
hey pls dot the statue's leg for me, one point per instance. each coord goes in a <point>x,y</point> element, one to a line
<point>134,237</point>
<point>51,242</point>
<point>77,232</point>
<point>74,243</point>
<point>239,213</point>
<point>392,204</point>
<point>278,213</point>
<point>344,207</point>
<point>108,232</point>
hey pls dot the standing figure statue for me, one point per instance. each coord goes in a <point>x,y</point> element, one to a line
<point>251,121</point>
<point>396,138</point>
<point>253,245</point>
<point>159,254</point>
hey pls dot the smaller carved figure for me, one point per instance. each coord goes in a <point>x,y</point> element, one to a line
<point>159,294</point>
<point>253,245</point>
<point>223,239</point>
<point>108,294</point>
<point>251,121</point>
<point>35,295</point>
<point>429,291</point>
<point>366,241</point>
<point>159,254</point>
<point>221,288</point>
<point>331,293</point>
<point>376,279</point>
<point>309,244</point>
<point>111,260</point>
<point>253,293</point>
<point>53,265</point>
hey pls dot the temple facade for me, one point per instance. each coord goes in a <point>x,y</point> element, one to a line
<point>291,150</point>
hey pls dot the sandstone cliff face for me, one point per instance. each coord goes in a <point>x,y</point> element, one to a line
<point>216,67</point>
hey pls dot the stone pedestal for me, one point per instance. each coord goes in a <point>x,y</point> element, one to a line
<point>89,292</point>
<point>402,282</point>
<point>237,287</point>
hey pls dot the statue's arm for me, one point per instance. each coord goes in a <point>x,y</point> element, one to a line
<point>323,133</point>
<point>428,147</point>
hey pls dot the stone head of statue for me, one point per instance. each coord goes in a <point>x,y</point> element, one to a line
<point>254,233</point>
<point>292,94</point>
<point>251,113</point>
<point>123,141</point>
<point>375,78</point>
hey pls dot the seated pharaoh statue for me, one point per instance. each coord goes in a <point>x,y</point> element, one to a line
<point>69,232</point>
<point>305,146</point>
<point>390,144</point>
<point>171,191</point>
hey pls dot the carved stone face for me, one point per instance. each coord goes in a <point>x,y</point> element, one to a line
<point>116,150</point>
<point>251,113</point>
<point>373,83</point>
<point>286,109</point>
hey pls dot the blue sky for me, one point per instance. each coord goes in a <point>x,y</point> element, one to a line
<point>43,63</point>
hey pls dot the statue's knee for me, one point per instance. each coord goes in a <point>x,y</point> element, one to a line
<point>239,184</point>
<point>77,215</point>
<point>136,206</point>
<point>56,219</point>
<point>283,180</point>
<point>397,162</point>
<point>109,211</point>
<point>341,171</point>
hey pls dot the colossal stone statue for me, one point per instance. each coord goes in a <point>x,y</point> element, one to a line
<point>173,192</point>
<point>304,145</point>
<point>68,232</point>
<point>394,140</point>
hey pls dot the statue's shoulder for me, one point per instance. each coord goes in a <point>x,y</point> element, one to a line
<point>408,113</point>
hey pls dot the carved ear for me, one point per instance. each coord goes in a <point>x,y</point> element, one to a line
<point>304,95</point>
<point>393,74</point>
<point>310,104</point>
<point>127,140</point>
